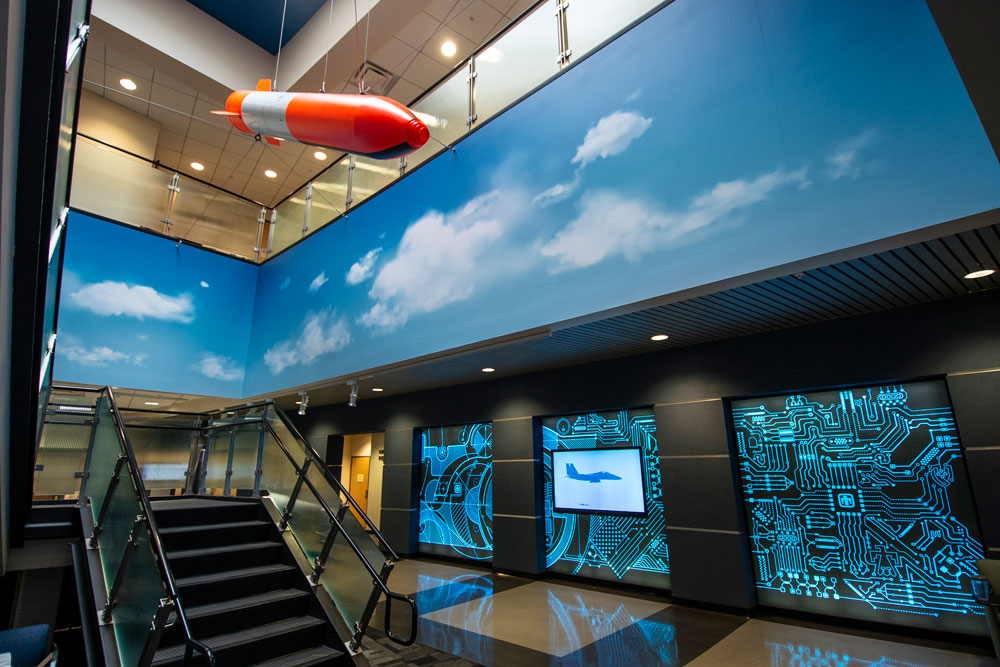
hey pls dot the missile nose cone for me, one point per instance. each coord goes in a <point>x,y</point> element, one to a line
<point>417,133</point>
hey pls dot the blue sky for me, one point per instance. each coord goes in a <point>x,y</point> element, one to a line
<point>709,142</point>
<point>138,311</point>
<point>717,138</point>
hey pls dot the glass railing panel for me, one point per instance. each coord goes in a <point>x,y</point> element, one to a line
<point>163,455</point>
<point>138,599</point>
<point>445,111</point>
<point>215,219</point>
<point>591,22</point>
<point>329,196</point>
<point>217,461</point>
<point>103,457</point>
<point>122,509</point>
<point>288,222</point>
<point>62,455</point>
<point>370,176</point>
<point>112,184</point>
<point>517,62</point>
<point>245,457</point>
<point>280,428</point>
<point>352,524</point>
<point>278,475</point>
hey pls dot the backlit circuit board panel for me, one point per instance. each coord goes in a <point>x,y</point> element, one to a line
<point>858,505</point>
<point>613,547</point>
<point>456,491</point>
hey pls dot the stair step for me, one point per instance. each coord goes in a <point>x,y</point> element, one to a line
<point>188,562</point>
<point>318,655</point>
<point>195,511</point>
<point>215,534</point>
<point>270,597</point>
<point>232,574</point>
<point>249,641</point>
<point>49,529</point>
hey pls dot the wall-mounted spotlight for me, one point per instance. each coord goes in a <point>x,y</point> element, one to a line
<point>303,402</point>
<point>353,401</point>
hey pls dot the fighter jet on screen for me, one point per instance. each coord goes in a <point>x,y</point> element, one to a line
<point>593,478</point>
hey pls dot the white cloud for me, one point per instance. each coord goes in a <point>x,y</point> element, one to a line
<point>635,94</point>
<point>844,160</point>
<point>557,192</point>
<point>611,136</point>
<point>609,224</point>
<point>99,356</point>
<point>142,336</point>
<point>218,367</point>
<point>285,283</point>
<point>203,284</point>
<point>110,297</point>
<point>442,259</point>
<point>318,281</point>
<point>320,333</point>
<point>364,268</point>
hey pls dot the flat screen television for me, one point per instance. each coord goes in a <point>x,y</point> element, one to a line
<point>598,481</point>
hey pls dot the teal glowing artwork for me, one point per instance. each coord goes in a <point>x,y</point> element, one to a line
<point>858,505</point>
<point>456,491</point>
<point>613,546</point>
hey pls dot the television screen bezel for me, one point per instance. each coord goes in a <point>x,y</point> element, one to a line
<point>642,480</point>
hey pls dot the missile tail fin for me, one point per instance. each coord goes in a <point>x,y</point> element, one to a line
<point>273,141</point>
<point>264,84</point>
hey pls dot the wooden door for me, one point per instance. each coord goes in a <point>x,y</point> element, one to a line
<point>359,481</point>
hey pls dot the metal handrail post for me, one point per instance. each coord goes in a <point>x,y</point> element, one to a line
<point>112,485</point>
<point>319,565</point>
<point>229,462</point>
<point>259,471</point>
<point>156,629</point>
<point>287,514</point>
<point>90,452</point>
<point>133,542</point>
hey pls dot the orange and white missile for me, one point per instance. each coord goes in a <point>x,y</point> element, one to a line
<point>368,125</point>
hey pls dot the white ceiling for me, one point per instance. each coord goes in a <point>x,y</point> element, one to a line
<point>404,39</point>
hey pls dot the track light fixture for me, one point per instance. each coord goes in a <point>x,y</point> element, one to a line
<point>353,384</point>
<point>303,402</point>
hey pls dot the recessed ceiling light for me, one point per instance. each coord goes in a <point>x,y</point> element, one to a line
<point>298,402</point>
<point>198,166</point>
<point>377,389</point>
<point>127,84</point>
<point>981,273</point>
<point>659,337</point>
<point>270,173</point>
<point>449,49</point>
<point>151,403</point>
<point>319,155</point>
<point>488,370</point>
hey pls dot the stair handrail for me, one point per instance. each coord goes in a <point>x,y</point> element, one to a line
<point>166,573</point>
<point>301,472</point>
<point>332,478</point>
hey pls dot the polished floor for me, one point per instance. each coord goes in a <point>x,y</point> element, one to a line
<point>472,615</point>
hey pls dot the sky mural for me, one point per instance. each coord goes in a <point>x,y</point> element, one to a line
<point>716,138</point>
<point>142,311</point>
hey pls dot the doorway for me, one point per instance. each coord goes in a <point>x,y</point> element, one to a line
<point>359,482</point>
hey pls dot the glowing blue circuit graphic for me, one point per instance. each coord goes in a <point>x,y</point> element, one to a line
<point>456,493</point>
<point>618,548</point>
<point>858,505</point>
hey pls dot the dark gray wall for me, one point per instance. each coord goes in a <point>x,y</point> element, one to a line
<point>956,338</point>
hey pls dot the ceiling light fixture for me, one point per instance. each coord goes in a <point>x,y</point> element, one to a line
<point>319,155</point>
<point>488,370</point>
<point>979,273</point>
<point>151,403</point>
<point>198,166</point>
<point>270,173</point>
<point>377,389</point>
<point>303,402</point>
<point>659,337</point>
<point>353,400</point>
<point>449,49</point>
<point>127,84</point>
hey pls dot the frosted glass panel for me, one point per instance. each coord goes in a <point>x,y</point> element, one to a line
<point>445,111</point>
<point>61,455</point>
<point>113,185</point>
<point>591,22</point>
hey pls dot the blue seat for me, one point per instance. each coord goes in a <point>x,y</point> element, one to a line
<point>28,646</point>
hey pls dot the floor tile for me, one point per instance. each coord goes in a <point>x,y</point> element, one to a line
<point>766,644</point>
<point>550,618</point>
<point>411,575</point>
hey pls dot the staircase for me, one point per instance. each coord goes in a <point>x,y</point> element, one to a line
<point>242,592</point>
<point>48,519</point>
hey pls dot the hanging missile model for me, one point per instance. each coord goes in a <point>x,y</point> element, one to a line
<point>369,125</point>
